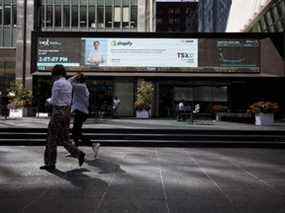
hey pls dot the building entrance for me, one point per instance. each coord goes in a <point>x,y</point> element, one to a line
<point>206,94</point>
<point>101,97</point>
<point>166,103</point>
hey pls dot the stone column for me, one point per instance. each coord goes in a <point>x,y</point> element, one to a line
<point>30,26</point>
<point>142,15</point>
<point>23,48</point>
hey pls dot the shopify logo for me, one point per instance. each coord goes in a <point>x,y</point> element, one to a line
<point>121,43</point>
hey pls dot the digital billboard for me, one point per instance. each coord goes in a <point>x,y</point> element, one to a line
<point>124,52</point>
<point>53,51</point>
<point>149,54</point>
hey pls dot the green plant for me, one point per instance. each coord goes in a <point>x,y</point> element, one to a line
<point>263,107</point>
<point>144,96</point>
<point>19,96</point>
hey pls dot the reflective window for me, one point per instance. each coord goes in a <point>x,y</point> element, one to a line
<point>269,19</point>
<point>279,26</point>
<point>108,16</point>
<point>117,16</point>
<point>100,12</point>
<point>58,16</point>
<point>74,16</point>
<point>49,16</point>
<point>14,14</point>
<point>83,16</point>
<point>7,75</point>
<point>1,12</point>
<point>126,17</point>
<point>8,20</point>
<point>7,14</point>
<point>134,15</point>
<point>282,6</point>
<point>89,14</point>
<point>263,24</point>
<point>66,15</point>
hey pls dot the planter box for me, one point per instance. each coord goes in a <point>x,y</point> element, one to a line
<point>143,114</point>
<point>264,119</point>
<point>16,113</point>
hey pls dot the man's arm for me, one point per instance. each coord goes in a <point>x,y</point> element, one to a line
<point>54,94</point>
<point>73,78</point>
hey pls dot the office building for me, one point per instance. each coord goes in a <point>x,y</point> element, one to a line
<point>213,15</point>
<point>221,68</point>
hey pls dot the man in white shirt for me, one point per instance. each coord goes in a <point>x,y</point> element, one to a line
<point>79,106</point>
<point>116,104</point>
<point>180,110</point>
<point>80,109</point>
<point>96,57</point>
<point>58,129</point>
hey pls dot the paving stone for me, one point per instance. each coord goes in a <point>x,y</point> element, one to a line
<point>130,179</point>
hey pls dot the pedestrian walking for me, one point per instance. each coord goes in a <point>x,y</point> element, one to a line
<point>116,104</point>
<point>180,111</point>
<point>58,128</point>
<point>80,109</point>
<point>4,106</point>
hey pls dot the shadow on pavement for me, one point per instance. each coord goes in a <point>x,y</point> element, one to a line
<point>77,177</point>
<point>105,167</point>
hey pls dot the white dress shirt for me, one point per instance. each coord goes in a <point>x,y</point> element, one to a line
<point>61,93</point>
<point>80,99</point>
<point>95,57</point>
<point>181,106</point>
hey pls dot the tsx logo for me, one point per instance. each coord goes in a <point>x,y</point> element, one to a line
<point>48,43</point>
<point>185,55</point>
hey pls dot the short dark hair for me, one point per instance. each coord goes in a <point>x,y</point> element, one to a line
<point>81,79</point>
<point>58,70</point>
<point>96,42</point>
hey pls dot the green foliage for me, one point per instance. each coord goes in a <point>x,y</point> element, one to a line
<point>144,96</point>
<point>19,96</point>
<point>264,107</point>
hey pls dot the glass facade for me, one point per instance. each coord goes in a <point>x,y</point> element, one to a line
<point>176,17</point>
<point>89,15</point>
<point>214,15</point>
<point>8,18</point>
<point>273,20</point>
<point>7,75</point>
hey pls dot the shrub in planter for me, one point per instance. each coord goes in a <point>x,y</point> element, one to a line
<point>19,97</point>
<point>144,99</point>
<point>217,108</point>
<point>263,107</point>
<point>264,112</point>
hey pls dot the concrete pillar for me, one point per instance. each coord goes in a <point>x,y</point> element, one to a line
<point>30,26</point>
<point>19,39</point>
<point>23,48</point>
<point>152,8</point>
<point>142,16</point>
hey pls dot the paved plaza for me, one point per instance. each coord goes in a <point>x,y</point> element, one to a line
<point>32,122</point>
<point>130,180</point>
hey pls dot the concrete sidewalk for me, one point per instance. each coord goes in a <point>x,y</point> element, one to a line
<point>148,124</point>
<point>145,180</point>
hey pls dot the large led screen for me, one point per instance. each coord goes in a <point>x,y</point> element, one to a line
<point>149,54</point>
<point>140,52</point>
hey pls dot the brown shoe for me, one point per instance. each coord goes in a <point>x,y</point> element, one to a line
<point>81,158</point>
